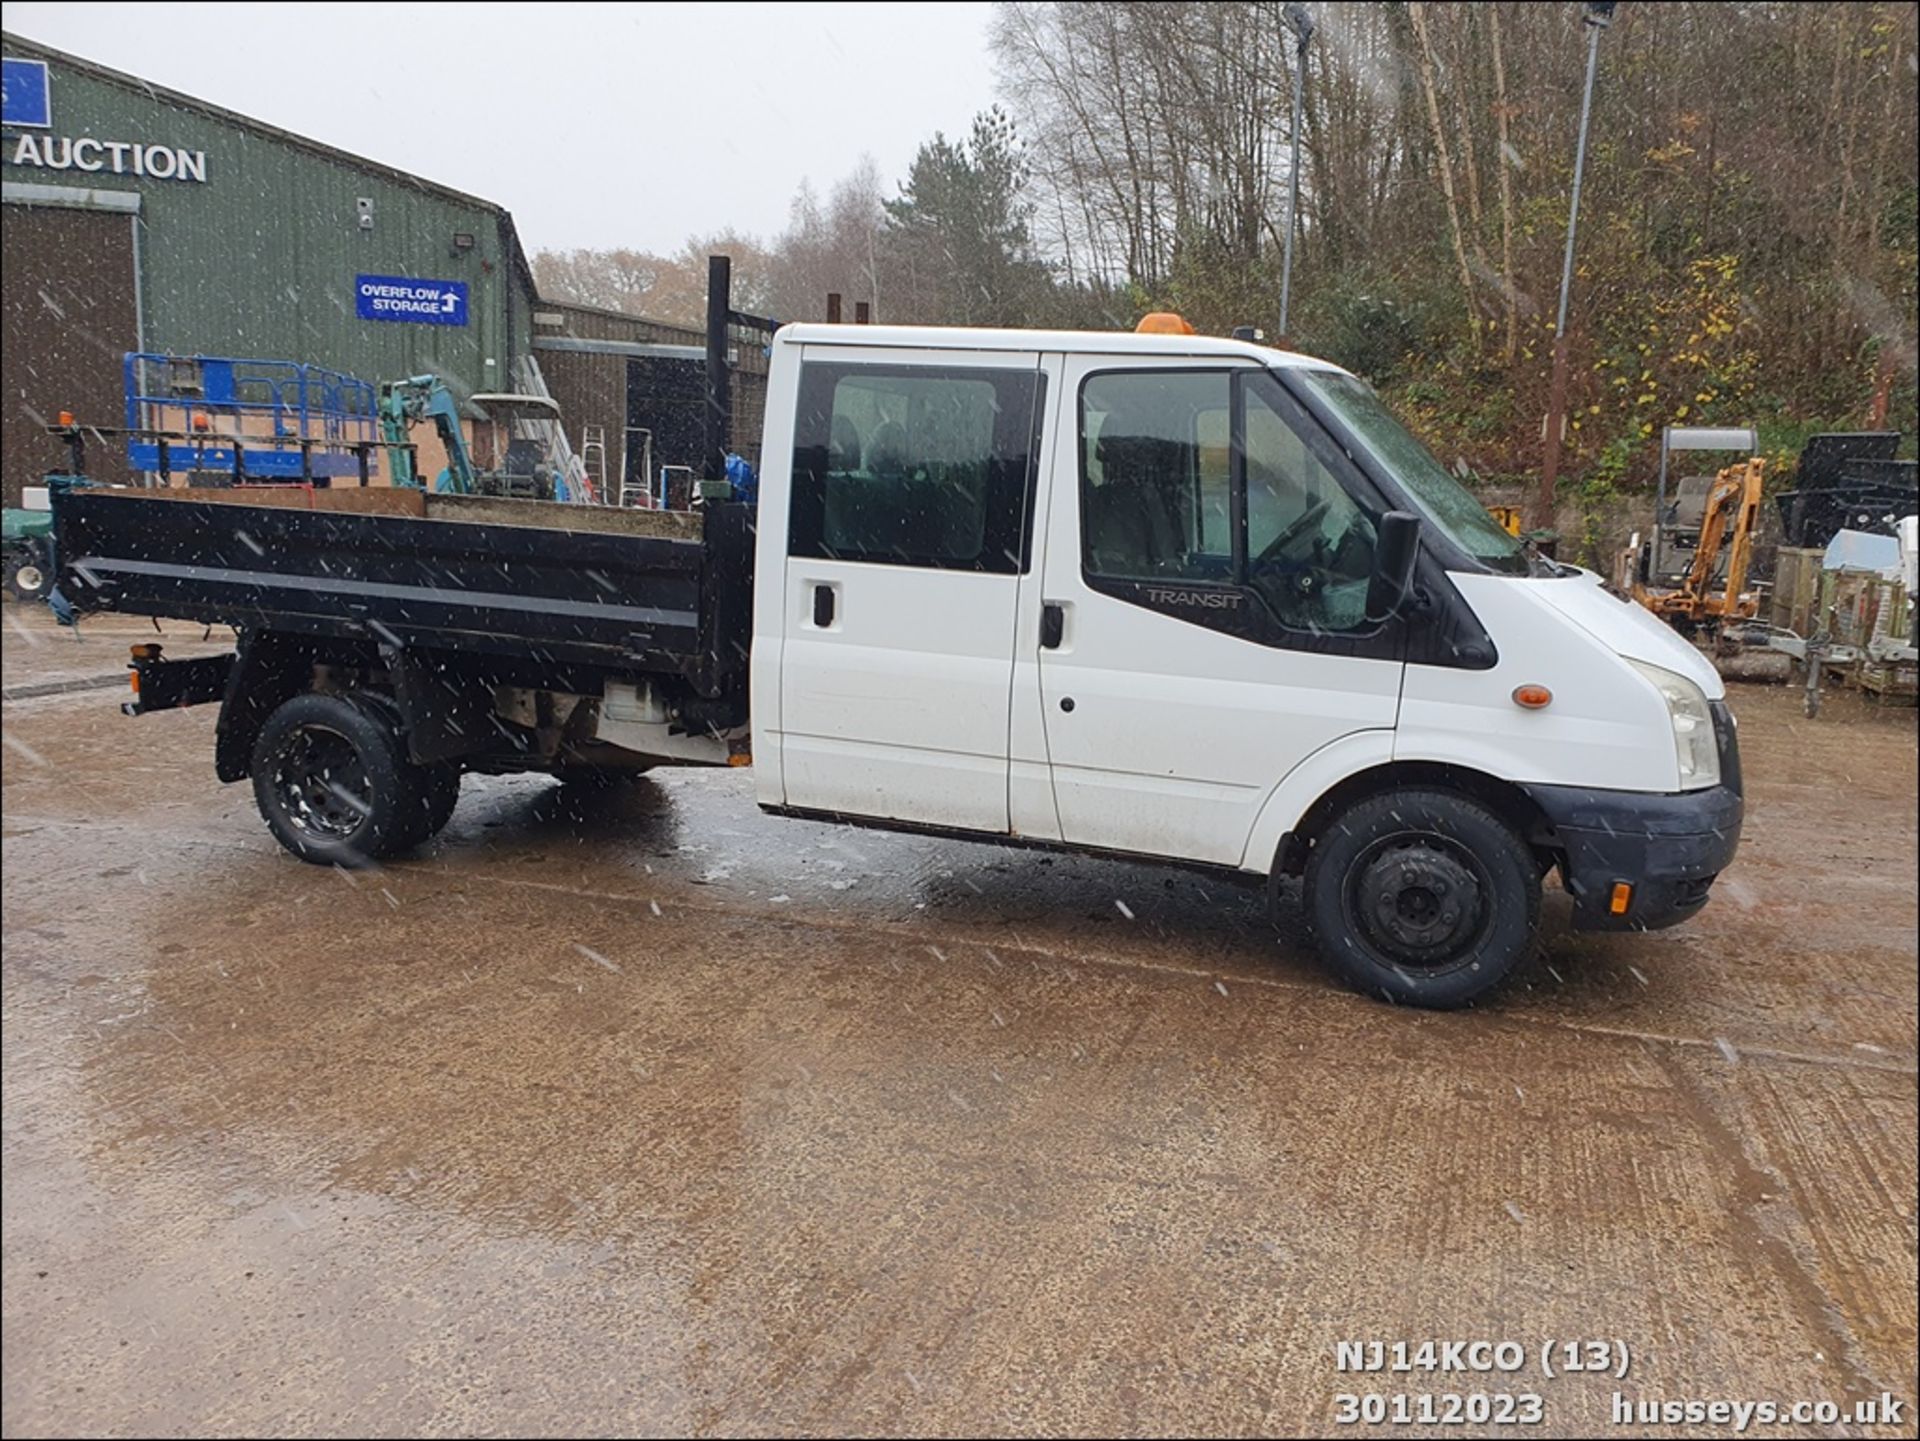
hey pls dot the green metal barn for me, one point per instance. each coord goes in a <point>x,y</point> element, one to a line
<point>137,218</point>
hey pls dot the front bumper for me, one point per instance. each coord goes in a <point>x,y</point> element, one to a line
<point>1669,848</point>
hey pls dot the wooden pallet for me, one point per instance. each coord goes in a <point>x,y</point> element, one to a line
<point>1889,684</point>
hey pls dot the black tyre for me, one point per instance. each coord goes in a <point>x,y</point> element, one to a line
<point>432,790</point>
<point>1423,898</point>
<point>436,791</point>
<point>331,779</point>
<point>27,576</point>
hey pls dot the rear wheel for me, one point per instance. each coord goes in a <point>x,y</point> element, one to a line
<point>432,790</point>
<point>1423,898</point>
<point>331,780</point>
<point>436,790</point>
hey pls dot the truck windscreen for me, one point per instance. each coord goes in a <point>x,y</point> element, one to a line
<point>1443,500</point>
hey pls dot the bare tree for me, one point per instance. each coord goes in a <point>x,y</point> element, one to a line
<point>1504,162</point>
<point>1417,14</point>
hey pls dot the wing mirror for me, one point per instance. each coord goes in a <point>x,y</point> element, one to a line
<point>1394,551</point>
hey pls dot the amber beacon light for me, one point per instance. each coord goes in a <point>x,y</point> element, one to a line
<point>1163,322</point>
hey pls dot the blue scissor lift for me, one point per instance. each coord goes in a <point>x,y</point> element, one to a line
<point>217,420</point>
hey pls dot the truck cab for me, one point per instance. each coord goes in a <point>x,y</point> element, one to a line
<point>1195,599</point>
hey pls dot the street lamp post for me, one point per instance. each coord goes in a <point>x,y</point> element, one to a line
<point>1599,14</point>
<point>1302,25</point>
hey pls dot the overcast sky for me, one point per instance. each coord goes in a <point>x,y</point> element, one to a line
<point>597,125</point>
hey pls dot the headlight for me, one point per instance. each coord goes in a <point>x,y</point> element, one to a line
<point>1694,744</point>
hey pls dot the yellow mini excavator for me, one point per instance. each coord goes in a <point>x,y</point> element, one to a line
<point>1712,589</point>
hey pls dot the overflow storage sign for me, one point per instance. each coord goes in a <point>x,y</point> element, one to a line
<point>417,302</point>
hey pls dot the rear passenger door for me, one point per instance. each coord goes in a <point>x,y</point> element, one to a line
<point>910,524</point>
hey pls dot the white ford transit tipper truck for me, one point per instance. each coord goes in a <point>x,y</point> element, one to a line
<point>1150,595</point>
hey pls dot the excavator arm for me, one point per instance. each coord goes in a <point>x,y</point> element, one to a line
<point>1733,508</point>
<point>1746,521</point>
<point>413,401</point>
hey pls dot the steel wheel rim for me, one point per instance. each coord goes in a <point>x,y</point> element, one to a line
<point>28,577</point>
<point>1420,901</point>
<point>321,783</point>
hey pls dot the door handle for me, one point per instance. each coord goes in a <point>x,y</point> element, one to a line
<point>1053,624</point>
<point>823,606</point>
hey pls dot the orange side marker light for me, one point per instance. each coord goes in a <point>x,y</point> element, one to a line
<point>1622,898</point>
<point>1531,697</point>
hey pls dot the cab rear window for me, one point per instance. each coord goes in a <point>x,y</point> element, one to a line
<point>915,465</point>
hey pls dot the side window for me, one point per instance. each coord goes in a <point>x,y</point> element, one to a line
<point>915,465</point>
<point>1309,544</point>
<point>1163,487</point>
<point>1156,475</point>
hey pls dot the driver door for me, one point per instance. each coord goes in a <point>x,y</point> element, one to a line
<point>1206,561</point>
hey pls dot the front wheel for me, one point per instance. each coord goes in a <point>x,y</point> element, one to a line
<point>1422,898</point>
